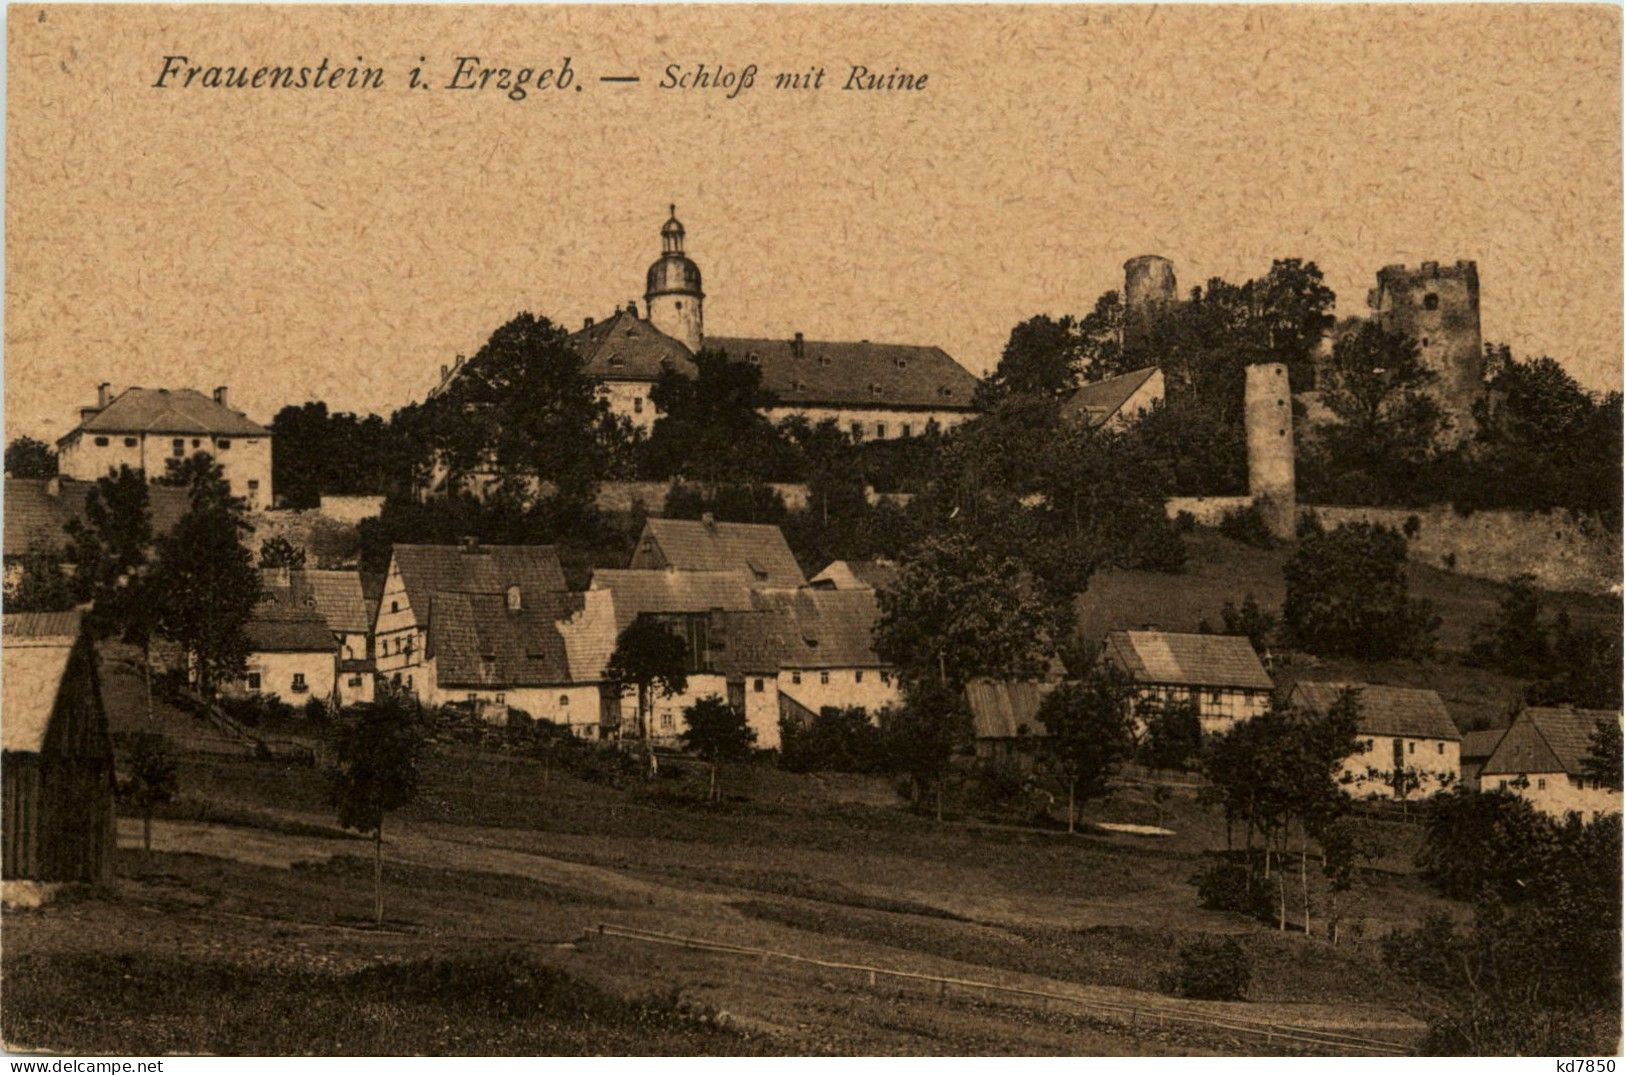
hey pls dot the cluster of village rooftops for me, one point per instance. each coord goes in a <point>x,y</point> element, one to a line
<point>496,628</point>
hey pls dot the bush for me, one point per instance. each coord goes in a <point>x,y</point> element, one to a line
<point>1230,886</point>
<point>753,502</point>
<point>1211,970</point>
<point>1347,595</point>
<point>316,711</point>
<point>1247,526</point>
<point>836,740</point>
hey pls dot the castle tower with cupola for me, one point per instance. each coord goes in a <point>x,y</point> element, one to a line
<point>674,298</point>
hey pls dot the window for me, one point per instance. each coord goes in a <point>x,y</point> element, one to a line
<point>1540,783</point>
<point>759,686</point>
<point>394,606</point>
<point>253,681</point>
<point>857,430</point>
<point>408,681</point>
<point>665,720</point>
<point>253,485</point>
<point>1441,748</point>
<point>885,678</point>
<point>795,677</point>
<point>857,677</point>
<point>473,697</point>
<point>823,677</point>
<point>502,699</point>
<point>299,683</point>
<point>223,444</point>
<point>129,442</point>
<point>880,430</point>
<point>197,442</point>
<point>355,681</point>
<point>178,447</point>
<point>637,404</point>
<point>1215,697</point>
<point>1410,748</point>
<point>564,701</point>
<point>101,442</point>
<point>1430,301</point>
<point>908,430</point>
<point>1500,785</point>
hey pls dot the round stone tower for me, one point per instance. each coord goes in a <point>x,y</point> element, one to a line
<point>1271,479</point>
<point>674,299</point>
<point>1149,288</point>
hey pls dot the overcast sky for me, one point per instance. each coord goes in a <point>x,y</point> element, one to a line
<point>343,245</point>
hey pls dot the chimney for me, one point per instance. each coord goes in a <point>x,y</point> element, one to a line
<point>53,486</point>
<point>222,397</point>
<point>104,394</point>
<point>586,323</point>
<point>710,521</point>
<point>797,346</point>
<point>471,543</point>
<point>632,307</point>
<point>444,371</point>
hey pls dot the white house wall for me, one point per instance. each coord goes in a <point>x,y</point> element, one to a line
<point>246,464</point>
<point>1432,766</point>
<point>277,673</point>
<point>1556,794</point>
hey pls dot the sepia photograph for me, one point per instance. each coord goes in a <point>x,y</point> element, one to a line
<point>818,530</point>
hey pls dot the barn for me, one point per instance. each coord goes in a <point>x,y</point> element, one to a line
<point>57,758</point>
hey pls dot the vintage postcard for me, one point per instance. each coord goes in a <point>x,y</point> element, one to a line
<point>812,531</point>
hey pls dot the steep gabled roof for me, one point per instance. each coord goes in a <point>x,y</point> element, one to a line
<point>430,569</point>
<point>1479,745</point>
<point>624,348</point>
<point>1543,740</point>
<point>476,641</point>
<point>757,549</point>
<point>1406,712</point>
<point>35,517</point>
<point>589,636</point>
<point>854,373</point>
<point>1006,709</point>
<point>335,595</point>
<point>37,648</point>
<point>1098,401</point>
<point>824,628</point>
<point>637,591</point>
<point>1187,659</point>
<point>168,410</point>
<point>282,626</point>
<point>856,575</point>
<point>750,643</point>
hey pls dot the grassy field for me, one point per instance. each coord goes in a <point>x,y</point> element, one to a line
<point>497,879</point>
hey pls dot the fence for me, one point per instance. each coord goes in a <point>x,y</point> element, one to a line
<point>1149,1014</point>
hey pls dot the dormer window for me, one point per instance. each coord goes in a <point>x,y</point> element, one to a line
<point>875,390</point>
<point>902,363</point>
<point>754,359</point>
<point>615,361</point>
<point>823,360</point>
<point>516,602</point>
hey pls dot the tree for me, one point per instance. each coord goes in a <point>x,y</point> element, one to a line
<point>30,458</point>
<point>376,751</point>
<point>280,552</point>
<point>1515,641</point>
<point>41,586</point>
<point>711,425</point>
<point>1347,595</point>
<point>1089,734</point>
<point>1249,620</point>
<point>1485,843</point>
<point>112,550</point>
<point>958,613</point>
<point>1584,668</point>
<point>204,480</point>
<point>204,587</point>
<point>921,736</point>
<point>314,452</point>
<point>1602,761</point>
<point>1040,359</point>
<point>152,781</point>
<point>716,731</point>
<point>650,656</point>
<point>1172,738</point>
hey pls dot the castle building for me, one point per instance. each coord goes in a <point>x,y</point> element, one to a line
<point>873,391</point>
<point>144,428</point>
<point>1438,308</point>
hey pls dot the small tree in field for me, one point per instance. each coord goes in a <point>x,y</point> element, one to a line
<point>654,659</point>
<point>920,736</point>
<point>716,732</point>
<point>377,773</point>
<point>151,782</point>
<point>1089,735</point>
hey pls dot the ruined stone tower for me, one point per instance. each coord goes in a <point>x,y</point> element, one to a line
<point>1149,288</point>
<point>1438,308</point>
<point>1271,480</point>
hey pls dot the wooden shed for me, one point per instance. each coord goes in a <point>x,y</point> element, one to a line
<point>57,758</point>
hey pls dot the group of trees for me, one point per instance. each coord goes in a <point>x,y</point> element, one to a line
<point>1569,665</point>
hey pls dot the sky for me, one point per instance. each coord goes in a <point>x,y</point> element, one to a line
<point>342,245</point>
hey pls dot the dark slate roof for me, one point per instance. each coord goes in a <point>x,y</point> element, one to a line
<point>166,410</point>
<point>638,591</point>
<point>335,595</point>
<point>854,374</point>
<point>430,569</point>
<point>1481,744</point>
<point>1005,709</point>
<point>699,545</point>
<point>824,628</point>
<point>1547,741</point>
<point>1187,659</point>
<point>624,348</point>
<point>477,642</point>
<point>1099,400</point>
<point>1406,712</point>
<point>281,628</point>
<point>34,518</point>
<point>750,643</point>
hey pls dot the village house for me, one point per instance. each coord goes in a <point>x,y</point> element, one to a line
<point>336,596</point>
<point>292,655</point>
<point>856,575</point>
<point>1220,674</point>
<point>58,760</point>
<point>417,572</point>
<point>827,657</point>
<point>1004,717</point>
<point>497,653</point>
<point>1476,748</point>
<point>756,549</point>
<point>1116,403</point>
<point>1409,746</point>
<point>1542,757</point>
<point>38,510</point>
<point>144,428</point>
